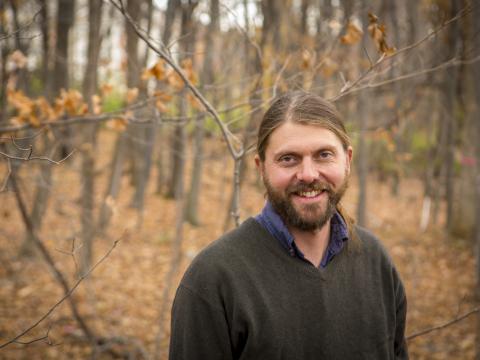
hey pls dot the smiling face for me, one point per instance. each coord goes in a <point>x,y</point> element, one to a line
<point>305,172</point>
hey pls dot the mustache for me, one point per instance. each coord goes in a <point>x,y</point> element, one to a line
<point>313,186</point>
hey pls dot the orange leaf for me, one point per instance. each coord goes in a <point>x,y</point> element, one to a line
<point>45,109</point>
<point>353,34</point>
<point>34,120</point>
<point>174,80</point>
<point>157,71</point>
<point>378,33</point>
<point>96,104</point>
<point>18,59</point>
<point>161,98</point>
<point>306,59</point>
<point>117,124</point>
<point>132,95</point>
<point>329,67</point>
<point>106,89</point>
<point>160,105</point>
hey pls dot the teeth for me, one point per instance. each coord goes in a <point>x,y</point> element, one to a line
<point>309,193</point>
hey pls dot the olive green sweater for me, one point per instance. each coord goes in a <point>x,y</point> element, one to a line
<point>244,297</point>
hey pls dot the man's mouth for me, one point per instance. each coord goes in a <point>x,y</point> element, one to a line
<point>309,194</point>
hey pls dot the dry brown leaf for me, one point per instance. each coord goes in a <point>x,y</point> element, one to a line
<point>307,60</point>
<point>193,101</point>
<point>157,71</point>
<point>174,80</point>
<point>378,33</point>
<point>117,124</point>
<point>187,67</point>
<point>132,95</point>
<point>106,89</point>
<point>161,100</point>
<point>329,67</point>
<point>353,34</point>
<point>45,109</point>
<point>96,104</point>
<point>18,59</point>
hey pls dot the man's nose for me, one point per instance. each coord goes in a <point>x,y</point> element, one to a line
<point>308,171</point>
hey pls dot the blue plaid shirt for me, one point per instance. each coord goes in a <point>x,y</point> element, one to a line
<point>269,219</point>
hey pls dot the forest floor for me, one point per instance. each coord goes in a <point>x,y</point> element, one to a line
<point>122,297</point>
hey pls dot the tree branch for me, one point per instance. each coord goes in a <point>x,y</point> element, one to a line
<point>166,57</point>
<point>443,326</point>
<point>349,87</point>
<point>59,276</point>
<point>32,158</point>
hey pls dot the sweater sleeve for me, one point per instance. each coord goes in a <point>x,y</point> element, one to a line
<point>400,345</point>
<point>198,329</point>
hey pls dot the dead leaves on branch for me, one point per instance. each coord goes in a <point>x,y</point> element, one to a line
<point>378,33</point>
<point>70,103</point>
<point>30,111</point>
<point>161,72</point>
<point>376,30</point>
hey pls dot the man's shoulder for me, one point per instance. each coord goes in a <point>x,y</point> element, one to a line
<point>232,241</point>
<point>222,254</point>
<point>371,245</point>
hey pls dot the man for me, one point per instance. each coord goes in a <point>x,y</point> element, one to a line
<point>299,281</point>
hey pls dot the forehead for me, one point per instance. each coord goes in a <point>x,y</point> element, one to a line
<point>301,137</point>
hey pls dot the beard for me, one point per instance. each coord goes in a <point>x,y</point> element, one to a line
<point>310,216</point>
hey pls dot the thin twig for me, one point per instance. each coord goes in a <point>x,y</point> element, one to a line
<point>34,18</point>
<point>68,293</point>
<point>45,337</point>
<point>32,158</point>
<point>443,326</point>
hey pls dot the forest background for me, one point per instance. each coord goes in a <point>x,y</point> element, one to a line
<point>127,131</point>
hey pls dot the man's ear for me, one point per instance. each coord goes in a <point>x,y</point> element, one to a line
<point>259,165</point>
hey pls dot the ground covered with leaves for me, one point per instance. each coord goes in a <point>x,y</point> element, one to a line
<point>123,296</point>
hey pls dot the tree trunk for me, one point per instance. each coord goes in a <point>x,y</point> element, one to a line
<point>46,72</point>
<point>123,140</point>
<point>187,44</point>
<point>146,135</point>
<point>4,50</point>
<point>476,82</point>
<point>113,188</point>
<point>450,92</point>
<point>304,17</point>
<point>211,47</point>
<point>43,181</point>
<point>397,94</point>
<point>65,18</point>
<point>20,44</point>
<point>173,7</point>
<point>362,147</point>
<point>88,137</point>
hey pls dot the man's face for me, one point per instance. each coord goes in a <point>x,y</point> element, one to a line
<point>305,173</point>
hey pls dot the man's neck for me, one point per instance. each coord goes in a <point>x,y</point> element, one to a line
<point>312,243</point>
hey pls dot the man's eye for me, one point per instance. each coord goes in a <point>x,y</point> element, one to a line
<point>325,155</point>
<point>287,159</point>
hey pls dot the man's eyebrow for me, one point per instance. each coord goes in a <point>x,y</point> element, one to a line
<point>326,147</point>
